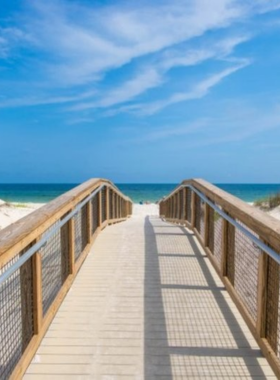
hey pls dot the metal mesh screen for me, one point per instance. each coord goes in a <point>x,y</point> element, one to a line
<point>188,205</point>
<point>181,204</point>
<point>51,269</point>
<point>111,197</point>
<point>246,270</point>
<point>95,213</point>
<point>272,306</point>
<point>80,222</point>
<point>218,225</point>
<point>103,202</point>
<point>10,322</point>
<point>116,206</point>
<point>197,212</point>
<point>202,219</point>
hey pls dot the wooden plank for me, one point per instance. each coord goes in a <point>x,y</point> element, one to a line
<point>263,224</point>
<point>17,236</point>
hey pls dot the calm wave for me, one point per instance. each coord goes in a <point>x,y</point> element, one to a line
<point>42,193</point>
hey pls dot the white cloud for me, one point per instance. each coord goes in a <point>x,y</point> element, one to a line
<point>73,46</point>
<point>198,91</point>
<point>142,82</point>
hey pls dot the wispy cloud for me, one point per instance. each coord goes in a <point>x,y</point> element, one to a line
<point>71,47</point>
<point>198,91</point>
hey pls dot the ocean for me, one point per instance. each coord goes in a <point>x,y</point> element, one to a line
<point>42,193</point>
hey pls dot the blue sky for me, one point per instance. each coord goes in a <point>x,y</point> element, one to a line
<point>147,91</point>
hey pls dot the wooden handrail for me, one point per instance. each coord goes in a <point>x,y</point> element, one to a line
<point>18,235</point>
<point>260,311</point>
<point>70,223</point>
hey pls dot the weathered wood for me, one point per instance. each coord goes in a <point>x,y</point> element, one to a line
<point>17,236</point>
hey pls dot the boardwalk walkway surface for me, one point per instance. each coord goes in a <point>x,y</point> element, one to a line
<point>147,304</point>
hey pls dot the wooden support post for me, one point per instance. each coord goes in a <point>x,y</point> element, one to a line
<point>262,294</point>
<point>228,259</point>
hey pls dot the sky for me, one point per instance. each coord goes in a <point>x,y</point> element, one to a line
<point>141,92</point>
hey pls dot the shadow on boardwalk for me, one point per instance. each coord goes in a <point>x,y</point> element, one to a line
<point>191,331</point>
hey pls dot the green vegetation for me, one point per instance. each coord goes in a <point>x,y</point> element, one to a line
<point>268,203</point>
<point>20,205</point>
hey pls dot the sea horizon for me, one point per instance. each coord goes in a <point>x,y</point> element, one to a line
<point>138,192</point>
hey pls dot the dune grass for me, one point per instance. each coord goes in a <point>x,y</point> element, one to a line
<point>268,203</point>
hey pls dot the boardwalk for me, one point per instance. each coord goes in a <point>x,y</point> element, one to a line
<point>147,304</point>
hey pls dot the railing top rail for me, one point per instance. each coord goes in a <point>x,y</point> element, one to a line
<point>267,227</point>
<point>21,233</point>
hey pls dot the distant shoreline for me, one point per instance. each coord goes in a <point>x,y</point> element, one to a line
<point>43,193</point>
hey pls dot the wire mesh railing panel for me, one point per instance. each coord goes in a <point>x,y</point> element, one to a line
<point>197,213</point>
<point>202,219</point>
<point>272,306</point>
<point>188,205</point>
<point>246,270</point>
<point>95,213</point>
<point>81,238</point>
<point>104,203</point>
<point>111,210</point>
<point>52,278</point>
<point>181,204</point>
<point>10,322</point>
<point>217,241</point>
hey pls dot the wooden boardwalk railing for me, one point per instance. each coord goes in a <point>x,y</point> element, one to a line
<point>243,245</point>
<point>39,258</point>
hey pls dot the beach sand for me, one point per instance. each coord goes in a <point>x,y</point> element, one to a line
<point>11,212</point>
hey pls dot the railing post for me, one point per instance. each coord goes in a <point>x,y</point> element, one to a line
<point>262,294</point>
<point>228,251</point>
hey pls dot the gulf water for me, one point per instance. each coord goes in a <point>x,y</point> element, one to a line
<point>43,193</point>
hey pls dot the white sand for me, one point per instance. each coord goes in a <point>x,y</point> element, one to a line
<point>11,212</point>
<point>142,210</point>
